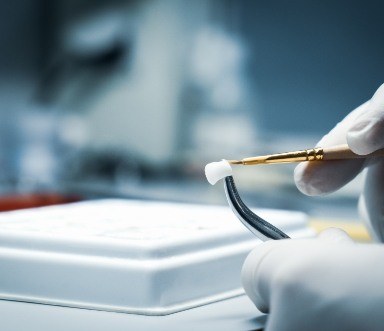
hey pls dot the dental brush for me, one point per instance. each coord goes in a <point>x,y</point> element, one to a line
<point>338,152</point>
<point>215,171</point>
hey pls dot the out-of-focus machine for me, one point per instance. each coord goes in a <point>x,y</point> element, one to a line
<point>119,90</point>
<point>137,68</point>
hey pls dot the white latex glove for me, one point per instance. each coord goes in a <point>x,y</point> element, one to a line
<point>363,130</point>
<point>316,284</point>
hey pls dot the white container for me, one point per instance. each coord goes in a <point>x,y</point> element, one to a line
<point>129,256</point>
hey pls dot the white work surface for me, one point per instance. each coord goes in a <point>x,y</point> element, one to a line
<point>236,314</point>
<point>117,263</point>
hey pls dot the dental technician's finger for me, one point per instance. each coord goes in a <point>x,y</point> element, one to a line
<point>367,133</point>
<point>262,267</point>
<point>372,200</point>
<point>315,178</point>
<point>257,271</point>
<point>327,177</point>
<point>335,235</point>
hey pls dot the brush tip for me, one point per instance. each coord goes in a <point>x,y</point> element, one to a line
<point>235,161</point>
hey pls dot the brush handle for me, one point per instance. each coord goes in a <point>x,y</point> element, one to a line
<point>338,152</point>
<point>342,152</point>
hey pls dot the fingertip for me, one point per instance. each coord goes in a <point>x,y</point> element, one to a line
<point>320,178</point>
<point>335,235</point>
<point>250,274</point>
<point>304,179</point>
<point>367,135</point>
<point>248,280</point>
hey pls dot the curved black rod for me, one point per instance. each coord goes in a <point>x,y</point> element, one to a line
<point>258,226</point>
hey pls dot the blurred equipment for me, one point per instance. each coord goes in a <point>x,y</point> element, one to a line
<point>150,84</point>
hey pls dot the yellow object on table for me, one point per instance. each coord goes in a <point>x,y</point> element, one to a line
<point>356,230</point>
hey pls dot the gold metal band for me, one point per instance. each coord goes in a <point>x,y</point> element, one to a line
<point>314,154</point>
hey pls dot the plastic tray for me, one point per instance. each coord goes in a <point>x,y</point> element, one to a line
<point>128,256</point>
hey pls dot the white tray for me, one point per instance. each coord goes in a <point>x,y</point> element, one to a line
<point>129,256</point>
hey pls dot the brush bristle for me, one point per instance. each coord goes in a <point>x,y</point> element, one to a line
<point>235,162</point>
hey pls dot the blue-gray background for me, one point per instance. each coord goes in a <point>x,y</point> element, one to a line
<point>115,96</point>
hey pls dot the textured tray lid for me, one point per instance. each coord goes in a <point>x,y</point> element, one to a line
<point>125,255</point>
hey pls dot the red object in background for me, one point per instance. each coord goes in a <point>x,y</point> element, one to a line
<point>30,200</point>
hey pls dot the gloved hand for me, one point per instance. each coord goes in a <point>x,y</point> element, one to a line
<point>363,130</point>
<point>316,284</point>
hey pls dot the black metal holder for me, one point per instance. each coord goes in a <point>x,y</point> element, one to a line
<point>258,226</point>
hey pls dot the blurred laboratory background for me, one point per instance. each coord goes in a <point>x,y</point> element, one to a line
<point>132,98</point>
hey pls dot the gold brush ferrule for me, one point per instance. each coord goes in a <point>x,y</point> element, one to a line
<point>313,154</point>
